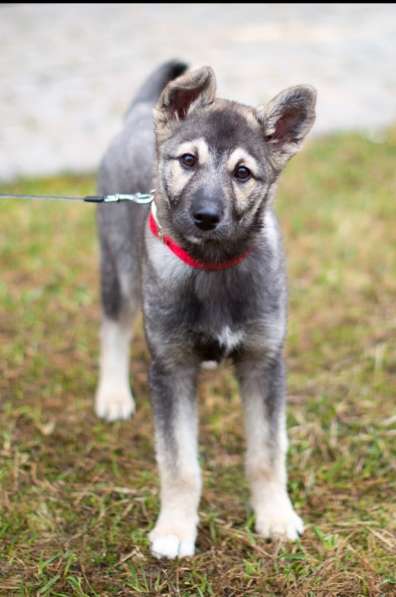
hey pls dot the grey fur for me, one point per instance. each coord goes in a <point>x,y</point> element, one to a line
<point>192,316</point>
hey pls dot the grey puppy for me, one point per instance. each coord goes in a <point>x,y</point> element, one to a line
<point>208,270</point>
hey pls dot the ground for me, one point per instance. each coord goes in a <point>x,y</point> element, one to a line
<point>78,496</point>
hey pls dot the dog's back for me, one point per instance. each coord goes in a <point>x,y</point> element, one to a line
<point>127,164</point>
<point>127,167</point>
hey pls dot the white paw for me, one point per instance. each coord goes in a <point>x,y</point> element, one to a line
<point>114,405</point>
<point>278,520</point>
<point>166,543</point>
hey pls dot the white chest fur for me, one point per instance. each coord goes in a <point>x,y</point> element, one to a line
<point>229,339</point>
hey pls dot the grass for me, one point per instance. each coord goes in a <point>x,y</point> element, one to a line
<point>78,496</point>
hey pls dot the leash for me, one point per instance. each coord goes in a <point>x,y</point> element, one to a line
<point>140,198</point>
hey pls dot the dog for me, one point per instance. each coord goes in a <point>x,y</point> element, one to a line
<point>205,263</point>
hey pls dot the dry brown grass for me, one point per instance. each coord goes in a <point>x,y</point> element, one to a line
<point>78,496</point>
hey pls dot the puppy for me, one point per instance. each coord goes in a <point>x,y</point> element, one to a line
<point>205,264</point>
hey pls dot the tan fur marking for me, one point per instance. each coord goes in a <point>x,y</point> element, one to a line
<point>243,191</point>
<point>242,158</point>
<point>197,147</point>
<point>179,176</point>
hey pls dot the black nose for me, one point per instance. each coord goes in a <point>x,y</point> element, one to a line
<point>206,218</point>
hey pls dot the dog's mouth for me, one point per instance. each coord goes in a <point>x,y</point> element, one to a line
<point>195,240</point>
<point>216,237</point>
<point>215,246</point>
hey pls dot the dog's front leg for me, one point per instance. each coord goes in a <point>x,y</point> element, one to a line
<point>175,415</point>
<point>113,399</point>
<point>263,395</point>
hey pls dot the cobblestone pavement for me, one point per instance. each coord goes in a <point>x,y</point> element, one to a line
<point>68,71</point>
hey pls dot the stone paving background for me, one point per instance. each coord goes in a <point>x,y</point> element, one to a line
<point>68,71</point>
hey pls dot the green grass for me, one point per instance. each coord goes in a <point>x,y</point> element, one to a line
<point>78,496</point>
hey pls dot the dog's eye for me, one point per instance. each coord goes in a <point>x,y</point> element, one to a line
<point>242,173</point>
<point>188,160</point>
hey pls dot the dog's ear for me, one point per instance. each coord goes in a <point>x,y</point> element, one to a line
<point>286,120</point>
<point>196,88</point>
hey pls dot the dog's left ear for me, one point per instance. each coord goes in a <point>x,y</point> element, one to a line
<point>196,88</point>
<point>286,120</point>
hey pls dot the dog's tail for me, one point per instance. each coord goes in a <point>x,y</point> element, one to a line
<point>155,83</point>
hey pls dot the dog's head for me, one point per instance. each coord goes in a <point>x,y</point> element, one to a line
<point>218,161</point>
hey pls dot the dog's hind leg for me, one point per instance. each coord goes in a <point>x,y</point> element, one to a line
<point>174,403</point>
<point>262,389</point>
<point>113,400</point>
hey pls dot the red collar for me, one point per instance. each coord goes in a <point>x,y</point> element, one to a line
<point>186,257</point>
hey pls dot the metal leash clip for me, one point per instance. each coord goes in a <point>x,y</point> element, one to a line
<point>140,198</point>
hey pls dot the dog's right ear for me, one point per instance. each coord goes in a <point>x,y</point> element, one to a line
<point>194,89</point>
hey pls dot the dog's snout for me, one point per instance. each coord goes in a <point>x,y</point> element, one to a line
<point>207,217</point>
